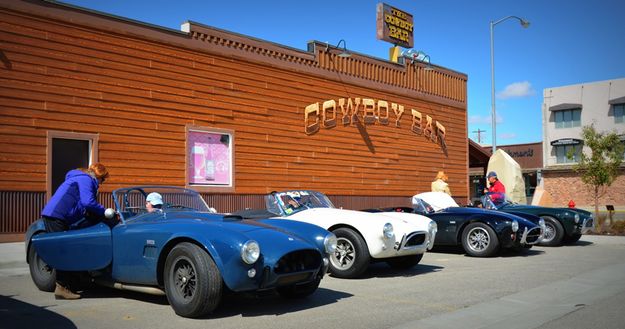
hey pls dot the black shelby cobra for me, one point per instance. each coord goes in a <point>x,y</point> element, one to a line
<point>480,232</point>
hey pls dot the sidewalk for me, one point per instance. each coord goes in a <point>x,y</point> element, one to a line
<point>13,258</point>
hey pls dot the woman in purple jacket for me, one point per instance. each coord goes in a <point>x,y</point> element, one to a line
<point>74,200</point>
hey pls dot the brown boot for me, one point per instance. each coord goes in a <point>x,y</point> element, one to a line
<point>64,293</point>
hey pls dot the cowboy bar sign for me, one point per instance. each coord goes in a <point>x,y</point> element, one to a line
<point>368,111</point>
<point>394,26</point>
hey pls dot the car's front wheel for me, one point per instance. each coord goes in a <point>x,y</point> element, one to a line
<point>554,232</point>
<point>479,240</point>
<point>351,257</point>
<point>404,262</point>
<point>43,276</point>
<point>193,283</point>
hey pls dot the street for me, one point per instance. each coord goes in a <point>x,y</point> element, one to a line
<point>578,286</point>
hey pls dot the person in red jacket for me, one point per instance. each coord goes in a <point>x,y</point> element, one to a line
<point>495,184</point>
<point>496,189</point>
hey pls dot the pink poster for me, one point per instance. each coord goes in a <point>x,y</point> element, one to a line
<point>209,158</point>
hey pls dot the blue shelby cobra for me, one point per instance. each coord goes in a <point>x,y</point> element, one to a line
<point>184,251</point>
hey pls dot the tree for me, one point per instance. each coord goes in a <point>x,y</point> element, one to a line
<point>599,169</point>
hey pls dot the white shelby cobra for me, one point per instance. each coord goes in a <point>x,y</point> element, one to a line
<point>399,239</point>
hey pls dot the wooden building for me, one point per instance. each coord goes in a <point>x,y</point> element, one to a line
<point>78,86</point>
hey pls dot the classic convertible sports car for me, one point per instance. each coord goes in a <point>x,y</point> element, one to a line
<point>398,239</point>
<point>183,251</point>
<point>480,232</point>
<point>563,225</point>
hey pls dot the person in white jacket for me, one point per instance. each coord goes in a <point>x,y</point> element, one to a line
<point>440,183</point>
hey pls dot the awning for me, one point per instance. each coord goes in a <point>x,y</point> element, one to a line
<point>565,106</point>
<point>566,141</point>
<point>620,100</point>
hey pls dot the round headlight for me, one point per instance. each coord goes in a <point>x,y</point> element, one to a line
<point>388,230</point>
<point>515,226</point>
<point>250,251</point>
<point>576,218</point>
<point>329,243</point>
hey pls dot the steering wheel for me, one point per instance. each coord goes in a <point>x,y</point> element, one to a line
<point>127,205</point>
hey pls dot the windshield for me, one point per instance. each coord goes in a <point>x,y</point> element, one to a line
<point>495,200</point>
<point>291,202</point>
<point>132,201</point>
<point>422,207</point>
<point>437,200</point>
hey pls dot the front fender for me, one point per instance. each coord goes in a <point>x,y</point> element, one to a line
<point>497,224</point>
<point>217,250</point>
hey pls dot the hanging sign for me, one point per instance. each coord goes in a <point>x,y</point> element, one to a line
<point>394,26</point>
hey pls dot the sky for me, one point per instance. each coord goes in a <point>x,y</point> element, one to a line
<point>568,42</point>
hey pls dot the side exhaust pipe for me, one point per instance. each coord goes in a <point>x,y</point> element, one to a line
<point>121,286</point>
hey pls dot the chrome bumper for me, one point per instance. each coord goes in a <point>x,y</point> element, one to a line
<point>527,232</point>
<point>406,241</point>
<point>587,225</point>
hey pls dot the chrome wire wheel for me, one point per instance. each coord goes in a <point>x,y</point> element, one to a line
<point>345,254</point>
<point>478,239</point>
<point>185,279</point>
<point>550,232</point>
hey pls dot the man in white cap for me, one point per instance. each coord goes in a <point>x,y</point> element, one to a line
<point>153,202</point>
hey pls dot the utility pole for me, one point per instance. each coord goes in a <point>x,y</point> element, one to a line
<point>479,135</point>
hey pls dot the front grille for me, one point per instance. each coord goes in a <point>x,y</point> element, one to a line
<point>290,279</point>
<point>298,261</point>
<point>415,239</point>
<point>533,235</point>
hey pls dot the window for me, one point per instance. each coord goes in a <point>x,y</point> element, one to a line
<point>568,118</point>
<point>619,113</point>
<point>563,151</point>
<point>210,159</point>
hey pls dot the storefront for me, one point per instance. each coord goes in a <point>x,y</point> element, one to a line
<point>229,115</point>
<point>527,155</point>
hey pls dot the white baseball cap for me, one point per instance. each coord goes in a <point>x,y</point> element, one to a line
<point>154,198</point>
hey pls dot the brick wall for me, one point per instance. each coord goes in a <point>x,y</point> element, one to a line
<point>562,186</point>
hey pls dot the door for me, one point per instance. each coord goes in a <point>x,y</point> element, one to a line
<point>84,249</point>
<point>68,154</point>
<point>67,151</point>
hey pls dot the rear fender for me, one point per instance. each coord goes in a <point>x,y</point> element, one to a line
<point>35,228</point>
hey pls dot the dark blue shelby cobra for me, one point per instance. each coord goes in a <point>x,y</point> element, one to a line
<point>184,251</point>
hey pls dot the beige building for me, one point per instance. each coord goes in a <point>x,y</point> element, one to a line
<point>565,111</point>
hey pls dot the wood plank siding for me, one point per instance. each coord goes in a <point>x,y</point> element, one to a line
<point>138,87</point>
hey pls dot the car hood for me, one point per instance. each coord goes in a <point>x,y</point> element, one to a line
<point>269,236</point>
<point>540,209</point>
<point>354,217</point>
<point>491,214</point>
<point>230,222</point>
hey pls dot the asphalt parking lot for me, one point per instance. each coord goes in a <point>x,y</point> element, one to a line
<point>578,286</point>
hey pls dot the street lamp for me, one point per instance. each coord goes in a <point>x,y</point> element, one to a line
<point>525,24</point>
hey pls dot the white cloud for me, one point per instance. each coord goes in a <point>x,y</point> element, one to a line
<point>508,136</point>
<point>516,90</point>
